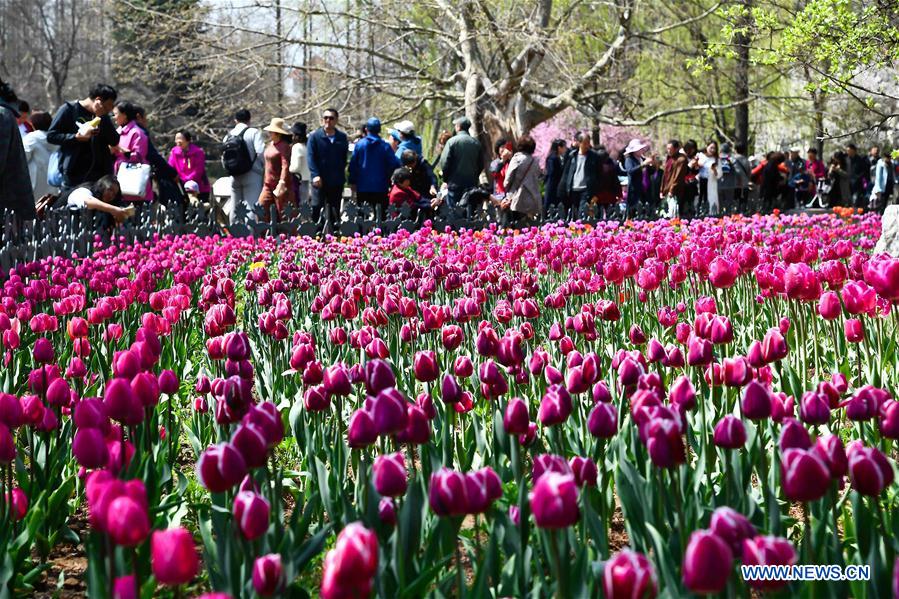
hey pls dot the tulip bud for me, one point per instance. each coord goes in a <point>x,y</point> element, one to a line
<point>814,408</point>
<point>554,501</point>
<point>870,472</point>
<point>805,477</point>
<point>664,443</point>
<point>730,433</point>
<point>447,493</point>
<point>425,366</point>
<point>268,574</point>
<point>854,330</point>
<point>628,575</point>
<point>127,521</point>
<point>251,513</point>
<point>555,407</point>
<point>732,527</point>
<point>584,470</point>
<point>378,376</point>
<point>389,474</point>
<point>756,402</point>
<point>768,551</point>
<point>168,382</point>
<point>361,431</point>
<point>603,421</point>
<point>707,563</point>
<point>43,351</point>
<point>89,448</point>
<point>350,566</point>
<point>121,403</point>
<point>482,488</point>
<point>221,467</point>
<point>516,417</point>
<point>173,556</point>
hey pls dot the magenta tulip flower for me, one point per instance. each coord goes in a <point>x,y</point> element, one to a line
<point>707,563</point>
<point>629,575</point>
<point>268,575</point>
<point>173,556</point>
<point>251,513</point>
<point>554,501</point>
<point>389,474</point>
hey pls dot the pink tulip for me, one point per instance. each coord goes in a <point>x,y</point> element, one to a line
<point>268,575</point>
<point>768,551</point>
<point>350,567</point>
<point>730,433</point>
<point>516,417</point>
<point>127,521</point>
<point>173,556</point>
<point>870,472</point>
<point>732,527</point>
<point>805,476</point>
<point>629,575</point>
<point>707,563</point>
<point>389,474</point>
<point>251,513</point>
<point>221,467</point>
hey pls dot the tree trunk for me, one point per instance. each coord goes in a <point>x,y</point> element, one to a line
<point>741,77</point>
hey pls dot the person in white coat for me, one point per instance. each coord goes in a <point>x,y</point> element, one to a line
<point>298,164</point>
<point>37,152</point>
<point>710,169</point>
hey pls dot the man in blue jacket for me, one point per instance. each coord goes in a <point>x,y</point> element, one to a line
<point>371,166</point>
<point>326,153</point>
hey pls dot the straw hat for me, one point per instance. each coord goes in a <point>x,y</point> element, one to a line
<point>277,126</point>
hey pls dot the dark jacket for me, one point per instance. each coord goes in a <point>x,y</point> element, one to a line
<point>15,182</point>
<point>591,173</point>
<point>423,178</point>
<point>858,172</point>
<point>372,164</point>
<point>161,166</point>
<point>82,161</point>
<point>551,179</point>
<point>635,190</point>
<point>462,161</point>
<point>327,159</point>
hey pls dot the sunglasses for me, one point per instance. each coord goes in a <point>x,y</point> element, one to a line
<point>328,117</point>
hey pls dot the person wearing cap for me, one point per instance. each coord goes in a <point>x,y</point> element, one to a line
<point>634,165</point>
<point>299,167</point>
<point>277,186</point>
<point>408,140</point>
<point>326,155</point>
<point>461,161</point>
<point>371,167</point>
<point>394,139</point>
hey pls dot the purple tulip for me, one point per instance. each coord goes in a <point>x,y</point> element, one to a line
<point>584,470</point>
<point>870,472</point>
<point>516,417</point>
<point>482,488</point>
<point>547,462</point>
<point>664,442</point>
<point>446,493</point>
<point>730,433</point>
<point>425,366</point>
<point>251,513</point>
<point>389,411</point>
<point>450,391</point>
<point>804,476</point>
<point>268,574</point>
<point>122,404</point>
<point>387,512</point>
<point>361,431</point>
<point>554,501</point>
<point>707,563</point>
<point>221,467</point>
<point>756,401</point>
<point>793,435</point>
<point>699,352</point>
<point>814,408</point>
<point>603,421</point>
<point>830,449</point>
<point>251,442</point>
<point>732,526</point>
<point>682,393</point>
<point>389,473</point>
<point>59,393</point>
<point>378,376</point>
<point>555,407</point>
<point>629,575</point>
<point>773,347</point>
<point>888,419</point>
<point>89,448</point>
<point>43,351</point>
<point>168,382</point>
<point>336,380</point>
<point>768,551</point>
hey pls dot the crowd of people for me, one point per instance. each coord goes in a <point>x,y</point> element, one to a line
<point>96,154</point>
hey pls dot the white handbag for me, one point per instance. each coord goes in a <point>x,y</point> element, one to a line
<point>133,179</point>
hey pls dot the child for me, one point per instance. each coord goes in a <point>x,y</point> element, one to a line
<point>402,194</point>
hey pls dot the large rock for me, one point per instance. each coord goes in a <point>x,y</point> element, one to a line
<point>889,236</point>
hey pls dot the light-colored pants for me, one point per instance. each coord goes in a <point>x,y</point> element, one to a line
<point>245,190</point>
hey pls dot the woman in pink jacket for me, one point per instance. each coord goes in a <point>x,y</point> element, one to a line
<point>133,144</point>
<point>190,162</point>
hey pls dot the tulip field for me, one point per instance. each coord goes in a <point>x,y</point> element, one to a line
<point>626,410</point>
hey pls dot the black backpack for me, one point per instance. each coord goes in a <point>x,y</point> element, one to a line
<point>236,155</point>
